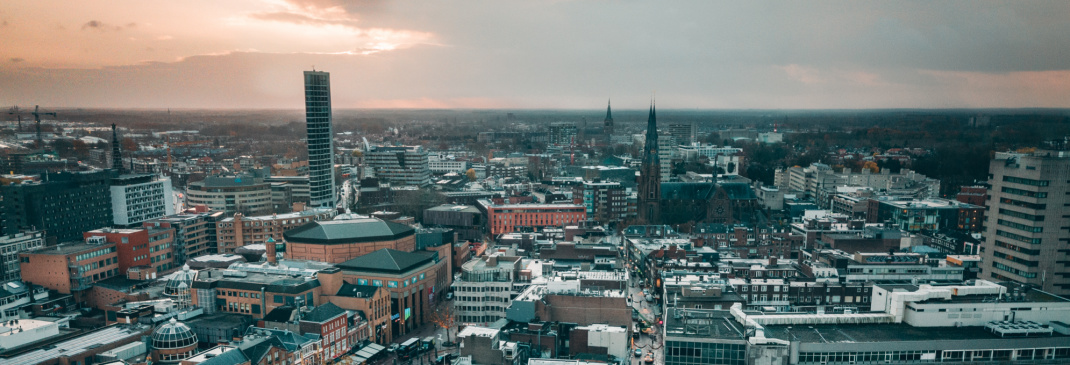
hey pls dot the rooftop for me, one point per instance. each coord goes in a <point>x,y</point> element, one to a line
<point>105,336</point>
<point>891,332</point>
<point>241,280</point>
<point>348,231</point>
<point>70,247</point>
<point>388,261</point>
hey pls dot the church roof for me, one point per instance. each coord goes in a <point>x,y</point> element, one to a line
<point>687,190</point>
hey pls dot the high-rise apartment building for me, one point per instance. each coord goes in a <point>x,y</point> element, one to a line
<point>320,139</point>
<point>1025,224</point>
<point>138,198</point>
<point>62,204</point>
<point>683,133</point>
<point>405,165</point>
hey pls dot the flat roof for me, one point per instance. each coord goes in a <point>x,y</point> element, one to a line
<point>80,344</point>
<point>891,332</point>
<point>713,324</point>
<point>69,248</point>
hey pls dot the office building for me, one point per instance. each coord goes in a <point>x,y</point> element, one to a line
<point>605,202</point>
<point>62,204</point>
<point>682,133</point>
<point>562,133</point>
<point>1025,224</point>
<point>404,165</point>
<point>507,218</point>
<point>147,247</point>
<point>245,194</point>
<point>10,246</point>
<point>320,139</point>
<point>195,233</point>
<point>240,230</point>
<point>485,288</point>
<point>138,198</point>
<point>70,267</point>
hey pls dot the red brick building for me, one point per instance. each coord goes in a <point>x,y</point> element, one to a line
<point>150,247</point>
<point>70,267</point>
<point>507,218</point>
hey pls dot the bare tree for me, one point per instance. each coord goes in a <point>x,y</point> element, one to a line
<point>444,317</point>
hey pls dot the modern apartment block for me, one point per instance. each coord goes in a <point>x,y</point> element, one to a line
<point>320,139</point>
<point>62,204</point>
<point>405,165</point>
<point>10,246</point>
<point>1026,233</point>
<point>239,230</point>
<point>195,234</point>
<point>605,201</point>
<point>138,198</point>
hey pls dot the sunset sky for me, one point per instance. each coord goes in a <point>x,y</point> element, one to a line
<point>536,54</point>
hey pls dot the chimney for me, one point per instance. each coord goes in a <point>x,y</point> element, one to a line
<point>772,261</point>
<point>270,246</point>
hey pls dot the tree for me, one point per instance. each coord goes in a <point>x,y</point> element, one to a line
<point>129,144</point>
<point>871,166</point>
<point>443,317</point>
<point>471,173</point>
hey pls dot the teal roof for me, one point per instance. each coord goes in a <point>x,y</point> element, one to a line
<point>388,261</point>
<point>348,231</point>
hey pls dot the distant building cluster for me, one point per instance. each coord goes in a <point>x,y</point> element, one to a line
<point>550,242</point>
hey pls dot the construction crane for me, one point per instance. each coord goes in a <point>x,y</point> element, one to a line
<point>37,118</point>
<point>15,110</point>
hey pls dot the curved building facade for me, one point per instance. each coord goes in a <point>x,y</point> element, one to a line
<point>341,240</point>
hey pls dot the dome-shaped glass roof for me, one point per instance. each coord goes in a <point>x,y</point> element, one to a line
<point>180,280</point>
<point>173,335</point>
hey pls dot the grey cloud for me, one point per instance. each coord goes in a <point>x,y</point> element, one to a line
<point>16,59</point>
<point>102,26</point>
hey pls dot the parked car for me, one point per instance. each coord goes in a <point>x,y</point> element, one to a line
<point>638,352</point>
<point>393,347</point>
<point>649,359</point>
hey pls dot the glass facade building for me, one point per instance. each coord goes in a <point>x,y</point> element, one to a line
<point>320,139</point>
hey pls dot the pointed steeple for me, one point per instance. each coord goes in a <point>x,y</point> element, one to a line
<point>116,153</point>
<point>649,202</point>
<point>609,113</point>
<point>650,150</point>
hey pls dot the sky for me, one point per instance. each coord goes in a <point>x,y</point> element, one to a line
<point>532,54</point>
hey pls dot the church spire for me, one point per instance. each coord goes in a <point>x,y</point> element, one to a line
<point>116,154</point>
<point>609,112</point>
<point>649,202</point>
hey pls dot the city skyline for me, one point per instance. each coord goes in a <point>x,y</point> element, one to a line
<point>534,55</point>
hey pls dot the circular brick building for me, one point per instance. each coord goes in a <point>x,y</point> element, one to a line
<point>338,241</point>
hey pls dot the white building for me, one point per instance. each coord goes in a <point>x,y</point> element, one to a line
<point>10,246</point>
<point>407,165</point>
<point>444,165</point>
<point>484,291</point>
<point>138,198</point>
